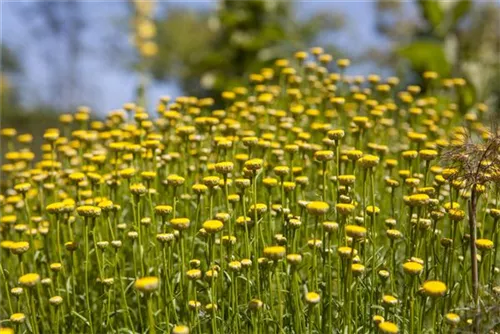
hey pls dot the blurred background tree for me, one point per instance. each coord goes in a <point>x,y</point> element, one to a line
<point>453,38</point>
<point>10,67</point>
<point>210,52</point>
<point>204,48</point>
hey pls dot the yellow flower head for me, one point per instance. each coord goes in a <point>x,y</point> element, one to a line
<point>180,224</point>
<point>29,280</point>
<point>17,318</point>
<point>434,288</point>
<point>323,155</point>
<point>225,167</point>
<point>452,318</point>
<point>163,210</point>
<point>368,161</point>
<point>388,327</point>
<point>275,252</point>
<point>255,304</point>
<point>317,208</point>
<point>147,284</point>
<point>345,208</point>
<point>89,211</point>
<point>312,298</point>
<point>413,268</point>
<point>20,247</point>
<point>418,199</point>
<point>355,231</point>
<point>484,244</point>
<point>180,329</point>
<point>22,187</point>
<point>213,226</point>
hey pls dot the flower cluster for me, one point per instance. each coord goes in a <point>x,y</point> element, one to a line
<point>311,201</point>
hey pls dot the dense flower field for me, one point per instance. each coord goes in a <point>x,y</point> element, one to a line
<point>310,202</point>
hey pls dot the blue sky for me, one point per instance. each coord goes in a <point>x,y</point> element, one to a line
<point>107,84</point>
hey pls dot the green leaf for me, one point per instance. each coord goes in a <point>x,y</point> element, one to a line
<point>432,11</point>
<point>426,55</point>
<point>461,8</point>
<point>81,317</point>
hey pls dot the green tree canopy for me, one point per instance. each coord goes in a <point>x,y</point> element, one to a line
<point>209,52</point>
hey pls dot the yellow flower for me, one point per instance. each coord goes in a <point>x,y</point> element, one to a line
<point>255,304</point>
<point>388,327</point>
<point>345,208</point>
<point>275,252</point>
<point>368,161</point>
<point>456,215</point>
<point>147,284</point>
<point>18,318</point>
<point>89,211</point>
<point>180,329</point>
<point>346,252</point>
<point>20,247</point>
<point>317,208</point>
<point>346,180</point>
<point>355,231</point>
<point>389,300</point>
<point>484,244</point>
<point>357,268</point>
<point>29,280</point>
<point>193,274</point>
<point>224,167</point>
<point>163,210</point>
<point>180,224</point>
<point>418,200</point>
<point>413,268</point>
<point>22,187</point>
<point>138,189</point>
<point>56,300</point>
<point>312,298</point>
<point>213,226</point>
<point>452,318</point>
<point>323,155</point>
<point>434,288</point>
<point>378,319</point>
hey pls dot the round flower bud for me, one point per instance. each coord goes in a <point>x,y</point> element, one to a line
<point>255,305</point>
<point>56,300</point>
